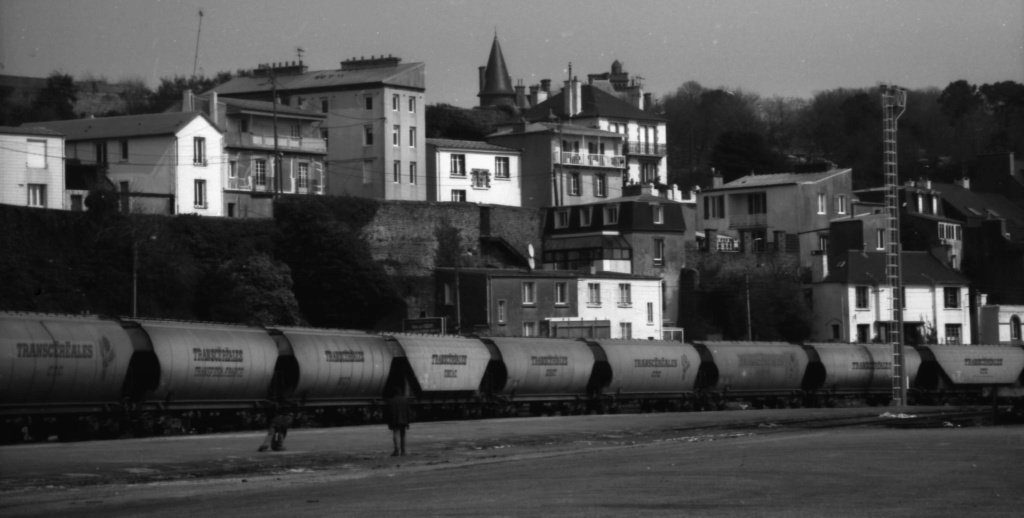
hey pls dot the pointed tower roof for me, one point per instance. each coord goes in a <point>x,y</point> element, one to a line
<point>497,83</point>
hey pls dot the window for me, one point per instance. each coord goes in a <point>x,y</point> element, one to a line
<point>863,333</point>
<point>880,239</point>
<point>594,294</point>
<point>650,313</point>
<point>243,125</point>
<point>325,105</point>
<point>368,135</point>
<point>562,218</point>
<point>458,195</point>
<point>124,150</point>
<point>951,297</point>
<point>501,167</point>
<point>950,231</point>
<point>101,152</point>
<point>481,179</point>
<point>36,150</point>
<point>611,215</point>
<point>574,184</point>
<point>625,298</point>
<point>529,295</point>
<point>625,330</point>
<point>396,140</point>
<point>368,102</point>
<point>953,334</point>
<point>1014,327</point>
<point>757,203</point>
<point>199,189</point>
<point>714,207</point>
<point>648,173</point>
<point>659,251</point>
<point>822,203</point>
<point>840,204</point>
<point>835,332</point>
<point>303,180</point>
<point>561,294</point>
<point>501,311</point>
<point>77,203</point>
<point>458,165</point>
<point>529,329</point>
<point>600,185</point>
<point>395,101</point>
<point>260,172</point>
<point>823,243</point>
<point>659,214</point>
<point>367,172</point>
<point>412,104</point>
<point>412,137</point>
<point>585,213</point>
<point>37,195</point>
<point>412,173</point>
<point>198,151</point>
<point>396,171</point>
<point>296,131</point>
<point>449,294</point>
<point>232,169</point>
<point>862,297</point>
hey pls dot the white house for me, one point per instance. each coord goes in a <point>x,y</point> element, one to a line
<point>32,168</point>
<point>475,172</point>
<point>164,163</point>
<point>632,305</point>
<point>852,300</point>
<point>1001,324</point>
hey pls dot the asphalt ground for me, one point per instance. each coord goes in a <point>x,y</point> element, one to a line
<point>794,462</point>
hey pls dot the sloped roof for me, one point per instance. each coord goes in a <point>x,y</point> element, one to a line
<point>12,130</point>
<point>125,126</point>
<point>398,75</point>
<point>552,127</point>
<point>496,78</point>
<point>982,202</point>
<point>918,268</point>
<point>595,103</point>
<point>775,179</point>
<point>469,144</point>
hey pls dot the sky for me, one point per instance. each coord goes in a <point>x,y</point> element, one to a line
<point>789,48</point>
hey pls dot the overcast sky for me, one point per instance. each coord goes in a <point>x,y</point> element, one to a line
<point>777,47</point>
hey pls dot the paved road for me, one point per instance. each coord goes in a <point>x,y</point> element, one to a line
<point>750,463</point>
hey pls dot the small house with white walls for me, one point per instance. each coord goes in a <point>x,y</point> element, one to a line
<point>163,163</point>
<point>32,168</point>
<point>474,172</point>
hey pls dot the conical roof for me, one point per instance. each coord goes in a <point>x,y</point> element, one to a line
<point>497,82</point>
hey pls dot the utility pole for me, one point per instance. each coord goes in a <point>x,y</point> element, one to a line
<point>199,33</point>
<point>894,102</point>
<point>750,327</point>
<point>277,155</point>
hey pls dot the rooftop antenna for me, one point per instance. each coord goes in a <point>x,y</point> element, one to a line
<point>200,32</point>
<point>300,51</point>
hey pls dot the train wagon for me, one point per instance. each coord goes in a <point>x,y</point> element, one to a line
<point>444,366</point>
<point>61,363</point>
<point>537,369</point>
<point>969,370</point>
<point>856,370</point>
<point>189,365</point>
<point>653,373</point>
<point>321,367</point>
<point>767,372</point>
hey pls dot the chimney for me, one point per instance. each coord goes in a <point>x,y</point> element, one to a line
<point>573,92</point>
<point>964,182</point>
<point>520,95</point>
<point>483,78</point>
<point>186,100</point>
<point>213,107</point>
<point>545,86</point>
<point>648,101</point>
<point>716,179</point>
<point>711,239</point>
<point>533,94</point>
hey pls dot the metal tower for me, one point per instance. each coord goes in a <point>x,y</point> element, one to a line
<point>894,103</point>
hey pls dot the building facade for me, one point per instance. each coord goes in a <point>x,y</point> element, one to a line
<point>164,163</point>
<point>32,168</point>
<point>474,172</point>
<point>785,212</point>
<point>375,120</point>
<point>999,324</point>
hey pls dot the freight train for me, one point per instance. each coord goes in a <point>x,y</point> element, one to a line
<point>60,373</point>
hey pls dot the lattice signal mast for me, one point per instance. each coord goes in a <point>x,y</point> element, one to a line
<point>894,103</point>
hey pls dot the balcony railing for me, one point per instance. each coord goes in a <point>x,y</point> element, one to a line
<point>240,184</point>
<point>306,144</point>
<point>748,220</point>
<point>644,148</point>
<point>587,159</point>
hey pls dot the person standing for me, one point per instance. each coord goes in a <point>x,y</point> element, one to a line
<point>397,415</point>
<point>276,433</point>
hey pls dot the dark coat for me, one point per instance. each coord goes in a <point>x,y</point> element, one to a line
<point>397,413</point>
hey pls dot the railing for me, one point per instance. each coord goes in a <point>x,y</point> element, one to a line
<point>240,184</point>
<point>308,144</point>
<point>644,148</point>
<point>588,159</point>
<point>748,220</point>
